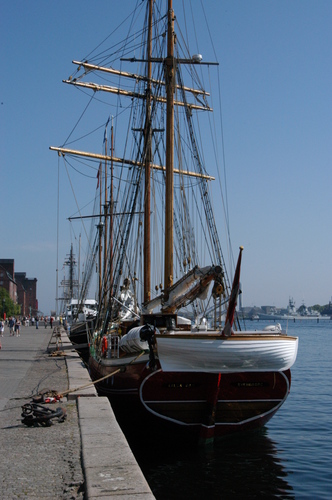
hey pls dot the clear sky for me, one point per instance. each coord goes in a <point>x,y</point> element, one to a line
<point>276,83</point>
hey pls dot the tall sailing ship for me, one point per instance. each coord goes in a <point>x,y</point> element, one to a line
<point>169,348</point>
<point>78,312</point>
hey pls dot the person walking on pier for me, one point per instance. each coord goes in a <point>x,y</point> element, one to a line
<point>11,326</point>
<point>17,327</point>
<point>2,327</point>
<point>51,321</point>
<point>37,322</point>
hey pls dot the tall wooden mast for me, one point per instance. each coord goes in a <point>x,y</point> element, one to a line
<point>148,161</point>
<point>105,217</point>
<point>170,86</point>
<point>100,229</point>
<point>111,214</point>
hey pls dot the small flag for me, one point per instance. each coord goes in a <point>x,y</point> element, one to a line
<point>98,174</point>
<point>105,133</point>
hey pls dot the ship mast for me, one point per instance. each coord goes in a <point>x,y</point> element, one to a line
<point>169,81</point>
<point>148,161</point>
<point>100,230</point>
<point>169,206</point>
<point>105,215</point>
<point>111,214</point>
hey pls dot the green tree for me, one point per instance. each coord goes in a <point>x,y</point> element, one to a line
<point>327,309</point>
<point>7,305</point>
<point>301,309</point>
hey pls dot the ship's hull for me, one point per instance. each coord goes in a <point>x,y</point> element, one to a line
<point>203,406</point>
<point>79,336</point>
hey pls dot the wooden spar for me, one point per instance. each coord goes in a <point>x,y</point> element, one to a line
<point>81,217</point>
<point>100,228</point>
<point>123,161</point>
<point>79,268</point>
<point>152,81</point>
<point>114,90</point>
<point>111,215</point>
<point>105,219</point>
<point>169,204</point>
<point>148,161</point>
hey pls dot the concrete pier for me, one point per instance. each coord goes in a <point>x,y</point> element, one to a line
<point>84,457</point>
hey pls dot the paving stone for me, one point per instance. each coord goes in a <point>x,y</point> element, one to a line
<point>42,462</point>
<point>37,462</point>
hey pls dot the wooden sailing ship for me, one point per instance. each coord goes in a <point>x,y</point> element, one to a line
<point>154,353</point>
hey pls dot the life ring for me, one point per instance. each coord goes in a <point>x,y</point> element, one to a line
<point>104,345</point>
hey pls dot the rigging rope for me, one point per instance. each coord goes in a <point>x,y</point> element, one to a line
<point>69,391</point>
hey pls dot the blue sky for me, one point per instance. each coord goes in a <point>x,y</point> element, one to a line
<point>276,81</point>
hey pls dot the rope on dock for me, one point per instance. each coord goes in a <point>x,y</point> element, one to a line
<point>69,391</point>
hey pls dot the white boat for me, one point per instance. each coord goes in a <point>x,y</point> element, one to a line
<point>213,353</point>
<point>268,350</point>
<point>79,311</point>
<point>273,328</point>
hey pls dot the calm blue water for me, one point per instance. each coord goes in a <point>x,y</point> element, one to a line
<point>291,458</point>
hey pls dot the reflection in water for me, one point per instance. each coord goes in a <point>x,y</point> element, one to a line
<point>246,467</point>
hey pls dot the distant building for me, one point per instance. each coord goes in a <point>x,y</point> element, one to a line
<point>7,280</point>
<point>21,298</point>
<point>269,309</point>
<point>27,294</point>
<point>21,290</point>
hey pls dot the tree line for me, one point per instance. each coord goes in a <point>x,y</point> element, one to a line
<point>323,310</point>
<point>7,305</point>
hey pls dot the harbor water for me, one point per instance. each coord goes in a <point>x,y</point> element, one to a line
<point>290,458</point>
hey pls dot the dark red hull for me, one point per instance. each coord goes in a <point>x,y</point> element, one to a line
<point>204,405</point>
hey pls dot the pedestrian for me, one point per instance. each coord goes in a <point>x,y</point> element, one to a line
<point>17,327</point>
<point>37,322</point>
<point>2,327</point>
<point>45,321</point>
<point>51,321</point>
<point>11,326</point>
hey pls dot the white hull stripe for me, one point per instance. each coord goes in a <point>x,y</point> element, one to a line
<point>179,422</point>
